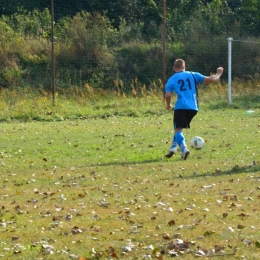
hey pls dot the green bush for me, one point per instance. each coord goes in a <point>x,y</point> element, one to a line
<point>83,47</point>
<point>90,50</point>
<point>10,46</point>
<point>139,60</point>
<point>25,51</point>
<point>34,23</point>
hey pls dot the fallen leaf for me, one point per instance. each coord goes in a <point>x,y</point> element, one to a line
<point>171,223</point>
<point>166,236</point>
<point>225,215</point>
<point>209,233</point>
<point>219,248</point>
<point>247,242</point>
<point>14,238</point>
<point>241,226</point>
<point>242,215</point>
<point>76,230</point>
<point>230,229</point>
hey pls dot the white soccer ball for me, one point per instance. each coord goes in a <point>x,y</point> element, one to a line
<point>197,142</point>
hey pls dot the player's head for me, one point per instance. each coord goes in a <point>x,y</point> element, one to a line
<point>179,65</point>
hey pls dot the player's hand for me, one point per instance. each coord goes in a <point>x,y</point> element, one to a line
<point>169,107</point>
<point>220,70</point>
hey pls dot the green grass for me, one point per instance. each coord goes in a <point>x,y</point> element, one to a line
<point>97,186</point>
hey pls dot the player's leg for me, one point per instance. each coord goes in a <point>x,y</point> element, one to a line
<point>182,144</point>
<point>178,122</point>
<point>188,114</point>
<point>173,147</point>
<point>181,119</point>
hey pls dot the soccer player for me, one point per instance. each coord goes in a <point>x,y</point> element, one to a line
<point>184,85</point>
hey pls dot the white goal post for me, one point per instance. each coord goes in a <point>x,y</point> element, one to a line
<point>229,69</point>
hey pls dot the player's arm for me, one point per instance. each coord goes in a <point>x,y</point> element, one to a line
<point>213,78</point>
<point>168,97</point>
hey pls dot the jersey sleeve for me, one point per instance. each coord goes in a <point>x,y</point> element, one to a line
<point>199,77</point>
<point>168,86</point>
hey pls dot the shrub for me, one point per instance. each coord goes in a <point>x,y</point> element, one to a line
<point>10,46</point>
<point>34,23</point>
<point>139,60</point>
<point>84,47</point>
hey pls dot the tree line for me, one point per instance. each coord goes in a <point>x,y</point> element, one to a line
<point>117,44</point>
<point>219,14</point>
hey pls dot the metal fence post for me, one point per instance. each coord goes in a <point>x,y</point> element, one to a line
<point>229,69</point>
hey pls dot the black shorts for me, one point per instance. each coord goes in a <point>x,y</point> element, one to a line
<point>183,117</point>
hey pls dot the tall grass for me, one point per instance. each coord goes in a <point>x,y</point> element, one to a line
<point>26,104</point>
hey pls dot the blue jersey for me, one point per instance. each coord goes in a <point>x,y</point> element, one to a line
<point>183,85</point>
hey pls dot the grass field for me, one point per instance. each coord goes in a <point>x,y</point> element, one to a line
<point>99,187</point>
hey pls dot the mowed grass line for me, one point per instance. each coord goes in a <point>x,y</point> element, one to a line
<point>101,188</point>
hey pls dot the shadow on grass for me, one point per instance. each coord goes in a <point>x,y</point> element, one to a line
<point>127,163</point>
<point>253,168</point>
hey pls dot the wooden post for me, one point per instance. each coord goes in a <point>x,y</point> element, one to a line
<point>164,47</point>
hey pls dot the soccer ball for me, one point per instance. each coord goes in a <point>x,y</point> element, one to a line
<point>197,142</point>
